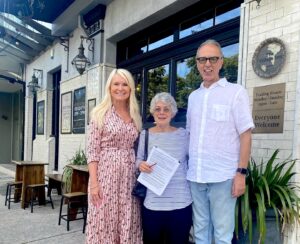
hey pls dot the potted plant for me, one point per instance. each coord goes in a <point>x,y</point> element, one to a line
<point>78,159</point>
<point>268,188</point>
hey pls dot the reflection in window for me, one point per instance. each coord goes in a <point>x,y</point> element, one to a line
<point>137,77</point>
<point>187,29</point>
<point>227,16</point>
<point>158,80</point>
<point>230,66</point>
<point>160,39</point>
<point>188,80</point>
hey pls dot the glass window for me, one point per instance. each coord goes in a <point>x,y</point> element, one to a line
<point>160,39</point>
<point>196,25</point>
<point>138,86</point>
<point>222,17</point>
<point>158,80</point>
<point>139,48</point>
<point>230,66</point>
<point>187,80</point>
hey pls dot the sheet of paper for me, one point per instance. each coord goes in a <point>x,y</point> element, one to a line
<point>164,167</point>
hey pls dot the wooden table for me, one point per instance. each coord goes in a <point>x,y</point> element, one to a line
<point>30,172</point>
<point>80,178</point>
<point>54,181</point>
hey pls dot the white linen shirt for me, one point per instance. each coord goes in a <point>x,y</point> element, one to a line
<point>216,117</point>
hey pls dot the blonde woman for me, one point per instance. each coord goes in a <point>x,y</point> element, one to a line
<point>113,214</point>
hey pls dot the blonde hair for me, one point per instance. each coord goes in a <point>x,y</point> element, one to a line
<point>100,110</point>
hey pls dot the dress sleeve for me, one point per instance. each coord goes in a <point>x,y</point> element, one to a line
<point>93,148</point>
<point>141,150</point>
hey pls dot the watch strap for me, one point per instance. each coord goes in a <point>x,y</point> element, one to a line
<point>243,171</point>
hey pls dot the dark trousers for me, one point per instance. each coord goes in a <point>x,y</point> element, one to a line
<point>166,227</point>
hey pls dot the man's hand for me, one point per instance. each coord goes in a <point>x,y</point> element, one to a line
<point>238,185</point>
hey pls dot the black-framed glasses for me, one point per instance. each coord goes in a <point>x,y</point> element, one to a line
<point>212,60</point>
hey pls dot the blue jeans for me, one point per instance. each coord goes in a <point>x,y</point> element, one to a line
<point>213,212</point>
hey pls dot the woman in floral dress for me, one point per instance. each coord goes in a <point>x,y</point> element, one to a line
<point>113,213</point>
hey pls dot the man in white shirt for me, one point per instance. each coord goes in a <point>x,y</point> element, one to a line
<point>220,124</point>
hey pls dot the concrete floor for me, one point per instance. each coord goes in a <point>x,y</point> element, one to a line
<point>18,226</point>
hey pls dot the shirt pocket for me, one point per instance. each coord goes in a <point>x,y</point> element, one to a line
<point>220,112</point>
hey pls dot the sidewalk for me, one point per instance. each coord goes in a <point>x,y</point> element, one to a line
<point>20,226</point>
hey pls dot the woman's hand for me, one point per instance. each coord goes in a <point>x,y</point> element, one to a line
<point>145,167</point>
<point>96,195</point>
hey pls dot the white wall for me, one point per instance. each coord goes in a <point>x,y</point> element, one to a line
<point>280,19</point>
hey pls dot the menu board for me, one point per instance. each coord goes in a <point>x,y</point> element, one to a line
<point>79,111</point>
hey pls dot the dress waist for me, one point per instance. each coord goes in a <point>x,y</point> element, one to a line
<point>117,148</point>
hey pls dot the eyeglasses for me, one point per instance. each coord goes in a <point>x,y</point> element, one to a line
<point>212,60</point>
<point>159,110</point>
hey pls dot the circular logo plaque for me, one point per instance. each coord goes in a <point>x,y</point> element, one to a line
<point>269,58</point>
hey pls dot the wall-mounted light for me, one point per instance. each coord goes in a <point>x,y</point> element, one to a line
<point>258,3</point>
<point>33,85</point>
<point>81,61</point>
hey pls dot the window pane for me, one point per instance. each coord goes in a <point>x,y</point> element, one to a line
<point>136,49</point>
<point>160,39</point>
<point>138,86</point>
<point>220,18</point>
<point>158,80</point>
<point>188,80</point>
<point>196,25</point>
<point>230,66</point>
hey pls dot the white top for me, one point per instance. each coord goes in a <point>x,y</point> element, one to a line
<point>216,117</point>
<point>177,194</point>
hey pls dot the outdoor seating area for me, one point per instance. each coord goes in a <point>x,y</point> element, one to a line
<point>16,197</point>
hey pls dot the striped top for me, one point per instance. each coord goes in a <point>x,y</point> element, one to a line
<point>177,194</point>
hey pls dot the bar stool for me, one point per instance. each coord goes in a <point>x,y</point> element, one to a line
<point>34,191</point>
<point>74,201</point>
<point>8,196</point>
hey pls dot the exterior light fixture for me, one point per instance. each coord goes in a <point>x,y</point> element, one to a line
<point>33,85</point>
<point>81,61</point>
<point>258,3</point>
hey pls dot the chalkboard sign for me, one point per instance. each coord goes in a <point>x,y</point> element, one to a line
<point>79,111</point>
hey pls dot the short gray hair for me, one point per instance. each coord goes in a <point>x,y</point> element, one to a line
<point>166,98</point>
<point>211,42</point>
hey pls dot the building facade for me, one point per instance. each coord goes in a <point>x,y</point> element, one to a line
<point>157,42</point>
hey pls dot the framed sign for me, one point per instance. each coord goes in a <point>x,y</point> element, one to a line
<point>40,117</point>
<point>269,58</point>
<point>91,105</point>
<point>79,111</point>
<point>66,113</point>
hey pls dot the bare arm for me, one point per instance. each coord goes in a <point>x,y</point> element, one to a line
<point>239,181</point>
<point>95,191</point>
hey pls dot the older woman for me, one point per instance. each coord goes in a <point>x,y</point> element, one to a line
<point>167,218</point>
<point>113,214</point>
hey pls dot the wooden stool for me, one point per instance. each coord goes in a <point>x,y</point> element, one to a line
<point>35,188</point>
<point>8,197</point>
<point>74,200</point>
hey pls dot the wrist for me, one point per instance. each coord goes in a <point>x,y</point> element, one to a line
<point>242,171</point>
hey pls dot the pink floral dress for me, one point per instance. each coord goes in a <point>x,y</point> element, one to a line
<point>117,219</point>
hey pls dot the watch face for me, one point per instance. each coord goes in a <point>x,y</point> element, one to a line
<point>269,58</point>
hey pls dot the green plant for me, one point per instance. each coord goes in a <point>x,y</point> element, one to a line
<point>78,159</point>
<point>268,185</point>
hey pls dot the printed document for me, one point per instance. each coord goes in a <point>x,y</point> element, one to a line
<point>164,167</point>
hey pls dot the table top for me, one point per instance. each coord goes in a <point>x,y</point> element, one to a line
<point>83,168</point>
<point>28,162</point>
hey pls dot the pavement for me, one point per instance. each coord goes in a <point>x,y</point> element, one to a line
<point>18,226</point>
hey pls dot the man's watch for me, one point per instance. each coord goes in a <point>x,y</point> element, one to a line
<point>242,171</point>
